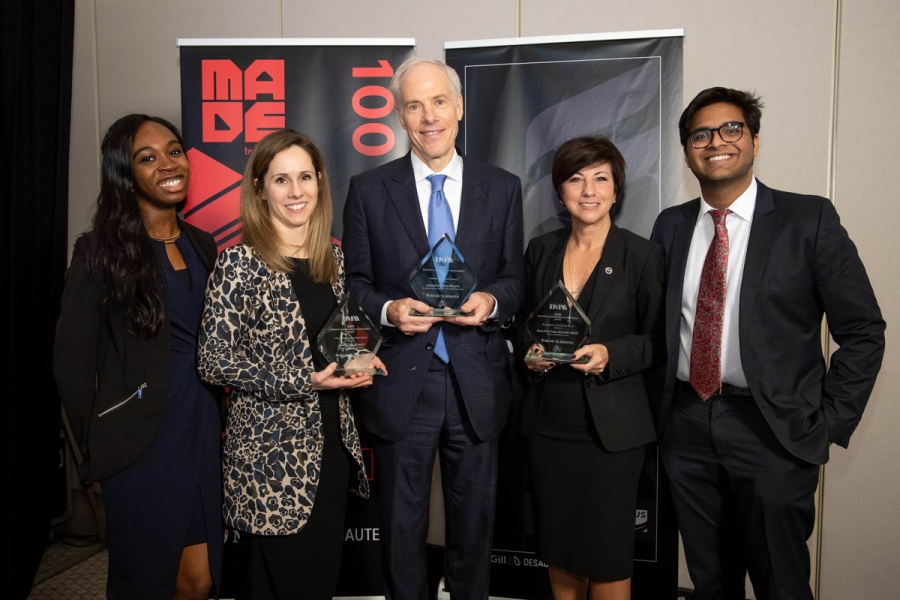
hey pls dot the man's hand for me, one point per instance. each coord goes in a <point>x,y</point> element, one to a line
<point>398,316</point>
<point>479,303</point>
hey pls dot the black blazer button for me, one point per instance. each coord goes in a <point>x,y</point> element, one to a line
<point>590,382</point>
<point>429,346</point>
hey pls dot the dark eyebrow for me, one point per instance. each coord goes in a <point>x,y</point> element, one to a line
<point>286,174</point>
<point>139,150</point>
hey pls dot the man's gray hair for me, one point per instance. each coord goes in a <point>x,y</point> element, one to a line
<point>409,63</point>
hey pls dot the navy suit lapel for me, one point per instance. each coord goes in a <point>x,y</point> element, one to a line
<point>764,219</point>
<point>401,187</point>
<point>472,204</point>
<point>607,270</point>
<point>681,245</point>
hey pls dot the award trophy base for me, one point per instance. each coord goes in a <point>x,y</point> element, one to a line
<point>441,312</point>
<point>340,371</point>
<point>558,357</point>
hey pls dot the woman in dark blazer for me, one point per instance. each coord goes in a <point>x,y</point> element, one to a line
<point>291,445</point>
<point>125,364</point>
<point>588,424</point>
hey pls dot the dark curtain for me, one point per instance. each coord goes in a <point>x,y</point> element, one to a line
<point>36,38</point>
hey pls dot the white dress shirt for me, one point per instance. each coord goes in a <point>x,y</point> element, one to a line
<point>453,194</point>
<point>737,223</point>
<point>452,186</point>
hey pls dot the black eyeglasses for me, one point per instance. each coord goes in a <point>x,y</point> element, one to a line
<point>729,132</point>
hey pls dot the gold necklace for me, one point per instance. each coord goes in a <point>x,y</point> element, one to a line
<point>168,240</point>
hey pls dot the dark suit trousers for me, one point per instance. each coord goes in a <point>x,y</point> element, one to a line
<point>469,477</point>
<point>744,504</point>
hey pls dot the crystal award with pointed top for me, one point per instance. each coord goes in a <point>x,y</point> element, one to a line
<point>560,326</point>
<point>350,339</point>
<point>443,281</point>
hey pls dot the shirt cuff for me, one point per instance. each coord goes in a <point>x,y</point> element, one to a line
<point>496,310</point>
<point>384,319</point>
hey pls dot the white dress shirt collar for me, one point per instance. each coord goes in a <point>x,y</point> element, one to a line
<point>742,207</point>
<point>453,170</point>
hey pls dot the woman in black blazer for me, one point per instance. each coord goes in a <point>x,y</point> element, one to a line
<point>588,424</point>
<point>126,368</point>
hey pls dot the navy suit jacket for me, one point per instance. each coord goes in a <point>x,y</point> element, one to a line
<point>800,264</point>
<point>385,239</point>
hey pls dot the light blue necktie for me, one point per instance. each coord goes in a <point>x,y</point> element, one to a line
<point>440,222</point>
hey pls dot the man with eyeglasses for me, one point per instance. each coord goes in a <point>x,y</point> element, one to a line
<point>750,406</point>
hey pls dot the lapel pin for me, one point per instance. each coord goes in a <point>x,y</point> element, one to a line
<point>609,270</point>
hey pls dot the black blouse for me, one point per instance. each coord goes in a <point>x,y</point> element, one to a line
<point>317,303</point>
<point>565,413</point>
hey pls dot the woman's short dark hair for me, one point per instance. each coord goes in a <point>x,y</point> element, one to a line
<point>750,104</point>
<point>585,151</point>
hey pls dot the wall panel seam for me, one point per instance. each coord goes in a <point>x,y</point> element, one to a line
<point>826,340</point>
<point>96,66</point>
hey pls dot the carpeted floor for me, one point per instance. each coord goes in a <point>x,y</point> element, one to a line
<point>86,580</point>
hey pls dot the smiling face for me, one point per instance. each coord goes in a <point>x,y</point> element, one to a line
<point>430,114</point>
<point>290,188</point>
<point>159,166</point>
<point>722,164</point>
<point>589,194</point>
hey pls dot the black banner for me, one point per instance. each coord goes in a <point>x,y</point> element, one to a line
<point>523,99</point>
<point>233,95</point>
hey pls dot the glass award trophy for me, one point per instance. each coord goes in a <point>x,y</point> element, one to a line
<point>443,281</point>
<point>560,326</point>
<point>350,339</point>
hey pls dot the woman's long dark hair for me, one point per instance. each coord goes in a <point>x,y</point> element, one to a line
<point>125,256</point>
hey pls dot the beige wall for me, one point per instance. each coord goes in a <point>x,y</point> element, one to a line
<point>861,506</point>
<point>126,61</point>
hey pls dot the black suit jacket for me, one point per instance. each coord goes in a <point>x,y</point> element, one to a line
<point>99,366</point>
<point>385,239</point>
<point>800,264</point>
<point>626,313</point>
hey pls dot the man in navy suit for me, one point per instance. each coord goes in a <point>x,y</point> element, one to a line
<point>750,406</point>
<point>449,387</point>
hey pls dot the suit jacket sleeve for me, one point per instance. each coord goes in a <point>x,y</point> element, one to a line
<point>509,286</point>
<point>75,348</point>
<point>226,356</point>
<point>360,275</point>
<point>633,353</point>
<point>855,323</point>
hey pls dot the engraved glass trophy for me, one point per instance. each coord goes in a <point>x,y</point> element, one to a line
<point>350,339</point>
<point>560,326</point>
<point>443,281</point>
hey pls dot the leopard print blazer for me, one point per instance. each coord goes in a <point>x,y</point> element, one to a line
<point>254,340</point>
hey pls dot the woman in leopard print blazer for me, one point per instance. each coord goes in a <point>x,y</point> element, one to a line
<point>291,438</point>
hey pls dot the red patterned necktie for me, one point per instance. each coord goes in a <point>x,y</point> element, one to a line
<point>706,344</point>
